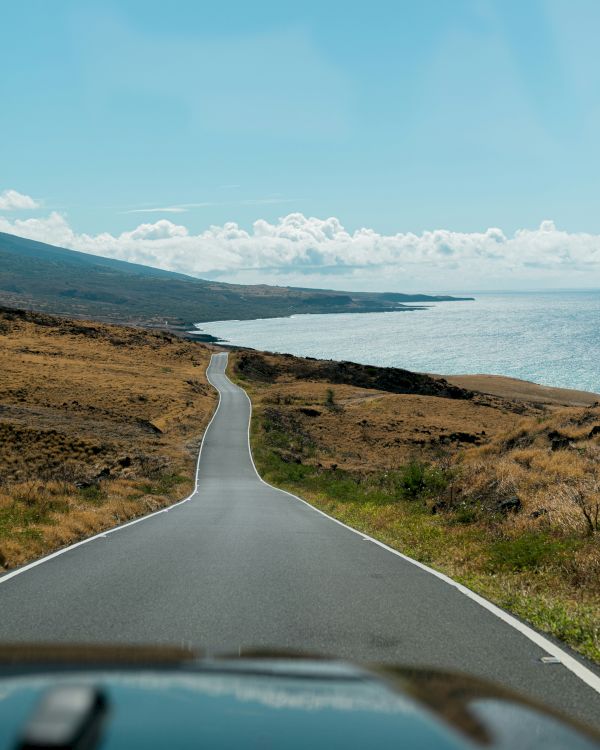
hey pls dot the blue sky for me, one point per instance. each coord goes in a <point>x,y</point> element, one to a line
<point>398,117</point>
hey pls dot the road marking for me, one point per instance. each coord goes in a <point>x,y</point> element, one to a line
<point>556,655</point>
<point>554,651</point>
<point>104,534</point>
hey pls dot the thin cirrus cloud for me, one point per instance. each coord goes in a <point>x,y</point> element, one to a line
<point>309,251</point>
<point>182,208</point>
<point>157,210</point>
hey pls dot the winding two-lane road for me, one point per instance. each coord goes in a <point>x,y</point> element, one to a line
<point>243,564</point>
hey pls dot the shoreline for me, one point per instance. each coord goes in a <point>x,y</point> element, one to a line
<point>549,340</point>
<point>502,386</point>
<point>517,389</point>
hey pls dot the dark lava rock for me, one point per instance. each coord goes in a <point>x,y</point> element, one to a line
<point>394,380</point>
<point>148,426</point>
<point>84,484</point>
<point>522,440</point>
<point>510,505</point>
<point>539,512</point>
<point>594,431</point>
<point>255,367</point>
<point>558,441</point>
<point>463,437</point>
<point>288,457</point>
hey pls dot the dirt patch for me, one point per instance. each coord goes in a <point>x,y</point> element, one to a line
<point>523,390</point>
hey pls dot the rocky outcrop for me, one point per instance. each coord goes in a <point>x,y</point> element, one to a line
<point>255,366</point>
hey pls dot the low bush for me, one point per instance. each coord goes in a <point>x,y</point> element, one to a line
<point>418,480</point>
<point>93,493</point>
<point>530,551</point>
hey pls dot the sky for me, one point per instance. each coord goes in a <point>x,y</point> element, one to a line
<point>444,145</point>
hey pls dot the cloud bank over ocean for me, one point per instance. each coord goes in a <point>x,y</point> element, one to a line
<point>310,251</point>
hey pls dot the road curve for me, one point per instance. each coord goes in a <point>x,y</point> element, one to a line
<point>243,564</point>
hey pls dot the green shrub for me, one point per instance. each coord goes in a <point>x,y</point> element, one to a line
<point>330,401</point>
<point>19,517</point>
<point>163,485</point>
<point>526,552</point>
<point>93,494</point>
<point>418,480</point>
<point>465,514</point>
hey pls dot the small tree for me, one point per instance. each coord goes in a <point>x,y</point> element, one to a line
<point>330,399</point>
<point>585,496</point>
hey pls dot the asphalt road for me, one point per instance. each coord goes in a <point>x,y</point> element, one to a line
<point>244,564</point>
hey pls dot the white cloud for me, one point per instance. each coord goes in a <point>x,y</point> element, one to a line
<point>320,252</point>
<point>11,200</point>
<point>160,230</point>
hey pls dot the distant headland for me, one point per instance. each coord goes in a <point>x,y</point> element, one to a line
<point>50,279</point>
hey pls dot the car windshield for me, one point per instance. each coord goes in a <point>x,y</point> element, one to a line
<point>299,339</point>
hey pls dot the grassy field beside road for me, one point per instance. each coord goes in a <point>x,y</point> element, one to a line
<point>98,424</point>
<point>502,494</point>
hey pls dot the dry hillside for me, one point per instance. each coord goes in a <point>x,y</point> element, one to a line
<point>369,418</point>
<point>500,489</point>
<point>98,423</point>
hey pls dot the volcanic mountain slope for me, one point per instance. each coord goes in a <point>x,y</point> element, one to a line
<point>50,279</point>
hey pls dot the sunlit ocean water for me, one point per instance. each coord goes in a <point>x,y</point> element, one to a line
<point>546,337</point>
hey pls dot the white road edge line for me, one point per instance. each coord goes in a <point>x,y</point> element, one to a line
<point>104,534</point>
<point>572,664</point>
<point>568,661</point>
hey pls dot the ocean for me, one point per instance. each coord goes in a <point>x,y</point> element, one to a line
<point>551,338</point>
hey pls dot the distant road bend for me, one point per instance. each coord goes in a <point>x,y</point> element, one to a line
<point>243,564</point>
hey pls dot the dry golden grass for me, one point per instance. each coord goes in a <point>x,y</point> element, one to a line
<point>98,424</point>
<point>501,494</point>
<point>552,464</point>
<point>367,428</point>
